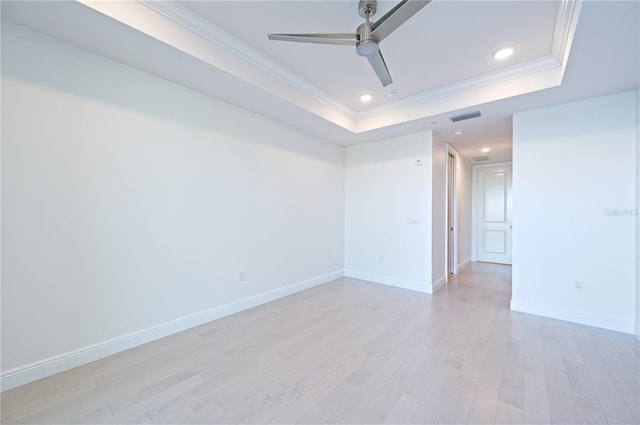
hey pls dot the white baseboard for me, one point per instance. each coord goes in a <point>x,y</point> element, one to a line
<point>464,263</point>
<point>439,283</point>
<point>47,367</point>
<point>391,281</point>
<point>575,317</point>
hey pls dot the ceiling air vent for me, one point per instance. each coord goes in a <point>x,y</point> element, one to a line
<point>480,158</point>
<point>467,116</point>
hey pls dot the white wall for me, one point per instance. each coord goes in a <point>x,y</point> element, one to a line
<point>388,212</point>
<point>463,188</point>
<point>574,167</point>
<point>439,214</point>
<point>637,214</point>
<point>130,204</point>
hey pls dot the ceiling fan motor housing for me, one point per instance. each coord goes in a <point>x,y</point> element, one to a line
<point>367,45</point>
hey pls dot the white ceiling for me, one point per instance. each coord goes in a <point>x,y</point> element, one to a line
<point>415,53</point>
<point>440,59</point>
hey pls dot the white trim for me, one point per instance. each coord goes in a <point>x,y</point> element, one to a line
<point>565,28</point>
<point>575,317</point>
<point>450,150</point>
<point>47,367</point>
<point>193,22</point>
<point>532,67</point>
<point>412,285</point>
<point>439,283</point>
<point>464,263</point>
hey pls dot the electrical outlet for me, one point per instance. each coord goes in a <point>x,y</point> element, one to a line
<point>328,259</point>
<point>240,276</point>
<point>578,285</point>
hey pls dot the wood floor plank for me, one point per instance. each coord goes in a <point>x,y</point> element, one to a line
<point>613,405</point>
<point>512,382</point>
<point>350,411</point>
<point>460,335</point>
<point>536,408</point>
<point>297,409</point>
<point>562,408</point>
<point>403,410</point>
<point>355,352</point>
<point>433,403</point>
<point>536,395</point>
<point>584,395</point>
<point>485,400</point>
<point>477,341</point>
<point>329,404</point>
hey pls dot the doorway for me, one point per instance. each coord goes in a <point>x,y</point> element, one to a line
<point>451,216</point>
<point>493,226</point>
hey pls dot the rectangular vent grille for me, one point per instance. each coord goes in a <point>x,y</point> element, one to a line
<point>467,116</point>
<point>480,158</point>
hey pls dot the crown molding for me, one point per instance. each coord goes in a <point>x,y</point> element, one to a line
<point>259,70</point>
<point>566,22</point>
<point>518,71</point>
<point>214,34</point>
<point>564,30</point>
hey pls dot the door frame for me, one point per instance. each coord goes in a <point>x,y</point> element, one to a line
<point>453,260</point>
<point>474,202</point>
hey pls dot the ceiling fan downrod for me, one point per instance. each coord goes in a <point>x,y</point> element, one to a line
<point>366,45</point>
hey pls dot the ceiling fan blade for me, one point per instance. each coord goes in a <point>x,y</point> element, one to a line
<point>345,39</point>
<point>380,67</point>
<point>396,17</point>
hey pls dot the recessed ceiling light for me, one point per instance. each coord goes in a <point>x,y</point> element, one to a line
<point>458,133</point>
<point>365,97</point>
<point>485,150</point>
<point>392,94</point>
<point>503,53</point>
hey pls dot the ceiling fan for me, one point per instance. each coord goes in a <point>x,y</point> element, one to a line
<point>367,35</point>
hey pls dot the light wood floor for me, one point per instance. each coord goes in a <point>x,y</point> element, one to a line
<point>356,352</point>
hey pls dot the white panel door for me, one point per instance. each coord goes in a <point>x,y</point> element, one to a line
<point>494,214</point>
